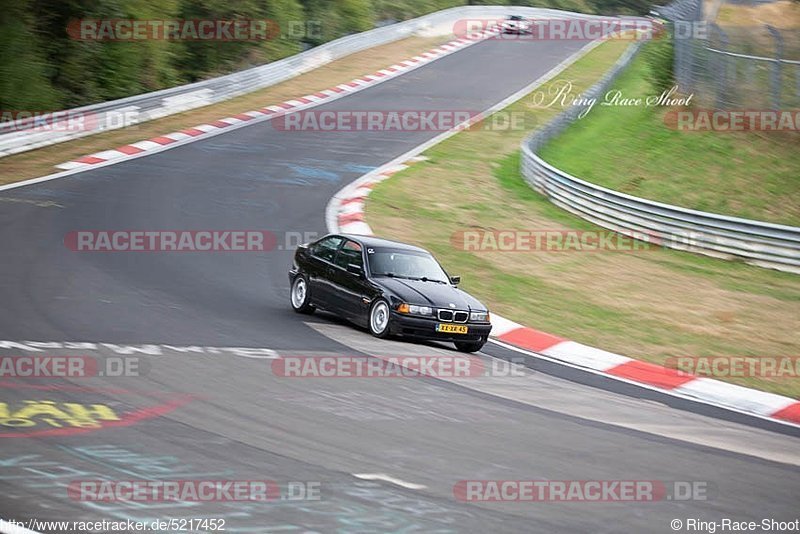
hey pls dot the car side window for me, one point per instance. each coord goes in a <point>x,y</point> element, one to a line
<point>349,253</point>
<point>326,249</point>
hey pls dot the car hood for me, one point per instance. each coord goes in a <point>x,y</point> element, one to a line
<point>430,294</point>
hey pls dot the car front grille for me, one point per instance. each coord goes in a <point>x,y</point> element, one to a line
<point>451,316</point>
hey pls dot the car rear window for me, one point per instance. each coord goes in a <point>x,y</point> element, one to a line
<point>326,249</point>
<point>349,253</point>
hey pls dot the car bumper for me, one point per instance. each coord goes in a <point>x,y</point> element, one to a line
<point>419,327</point>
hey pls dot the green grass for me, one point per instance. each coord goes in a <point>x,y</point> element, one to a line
<point>630,149</point>
<point>651,305</point>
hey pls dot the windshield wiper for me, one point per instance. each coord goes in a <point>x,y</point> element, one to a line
<point>414,278</point>
<point>392,275</point>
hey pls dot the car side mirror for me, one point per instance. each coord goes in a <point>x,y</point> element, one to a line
<point>352,268</point>
<point>455,280</point>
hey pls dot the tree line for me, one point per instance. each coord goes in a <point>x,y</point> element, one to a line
<point>43,66</point>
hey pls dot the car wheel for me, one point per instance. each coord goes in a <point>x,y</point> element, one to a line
<point>300,296</point>
<point>470,346</point>
<point>379,319</point>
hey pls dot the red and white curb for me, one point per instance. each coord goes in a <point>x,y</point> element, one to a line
<point>163,142</point>
<point>345,214</point>
<point>706,390</point>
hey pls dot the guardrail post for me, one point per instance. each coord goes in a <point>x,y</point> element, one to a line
<point>722,67</point>
<point>679,69</point>
<point>776,67</point>
<point>797,80</point>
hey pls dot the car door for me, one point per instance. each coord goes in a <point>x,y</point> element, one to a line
<point>350,288</point>
<point>321,270</point>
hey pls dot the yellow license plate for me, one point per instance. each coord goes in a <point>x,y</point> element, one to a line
<point>452,328</point>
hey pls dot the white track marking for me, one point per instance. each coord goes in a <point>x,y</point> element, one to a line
<point>147,349</point>
<point>391,480</point>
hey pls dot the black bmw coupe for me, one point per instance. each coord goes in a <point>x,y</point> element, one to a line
<point>389,287</point>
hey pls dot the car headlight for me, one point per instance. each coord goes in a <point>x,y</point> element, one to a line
<point>480,316</point>
<point>413,309</point>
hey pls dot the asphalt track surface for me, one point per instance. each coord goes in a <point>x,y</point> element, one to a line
<point>216,413</point>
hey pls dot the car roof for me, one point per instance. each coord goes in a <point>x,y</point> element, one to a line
<point>372,241</point>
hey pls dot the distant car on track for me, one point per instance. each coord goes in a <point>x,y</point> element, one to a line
<point>517,25</point>
<point>389,287</point>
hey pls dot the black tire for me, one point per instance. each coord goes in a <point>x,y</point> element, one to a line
<point>379,315</point>
<point>300,296</point>
<point>470,346</point>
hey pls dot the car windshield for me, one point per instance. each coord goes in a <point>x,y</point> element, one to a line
<point>405,264</point>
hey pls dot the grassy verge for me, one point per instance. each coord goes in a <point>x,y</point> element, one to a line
<point>630,149</point>
<point>652,305</point>
<point>41,161</point>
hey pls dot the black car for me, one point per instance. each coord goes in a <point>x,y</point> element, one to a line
<point>389,287</point>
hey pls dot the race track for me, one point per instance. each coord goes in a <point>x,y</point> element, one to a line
<point>213,412</point>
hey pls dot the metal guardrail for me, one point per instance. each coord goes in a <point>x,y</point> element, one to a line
<point>759,243</point>
<point>116,114</point>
